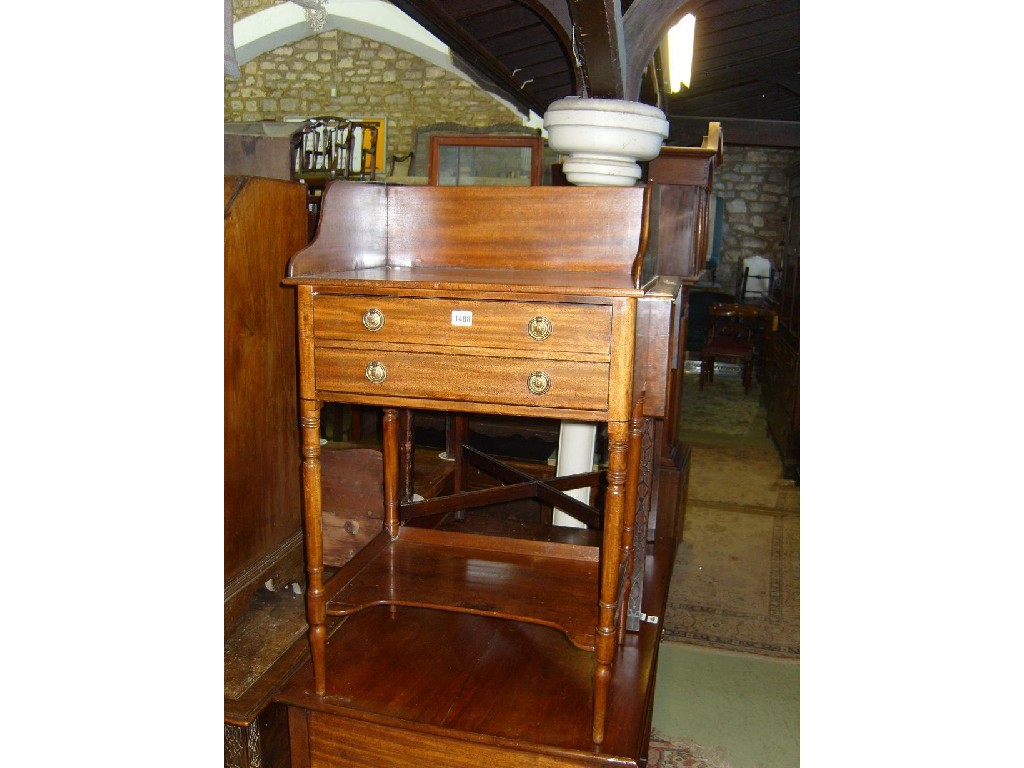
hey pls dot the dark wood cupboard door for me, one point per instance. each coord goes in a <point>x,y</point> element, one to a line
<point>264,224</point>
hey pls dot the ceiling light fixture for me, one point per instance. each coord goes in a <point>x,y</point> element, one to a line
<point>680,52</point>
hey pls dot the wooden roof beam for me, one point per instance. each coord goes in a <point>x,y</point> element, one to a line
<point>601,47</point>
<point>432,16</point>
<point>645,25</point>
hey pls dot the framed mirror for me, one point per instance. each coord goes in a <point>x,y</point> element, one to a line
<point>478,160</point>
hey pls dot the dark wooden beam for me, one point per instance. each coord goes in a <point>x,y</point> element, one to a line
<point>601,47</point>
<point>645,25</point>
<point>433,17</point>
<point>688,131</point>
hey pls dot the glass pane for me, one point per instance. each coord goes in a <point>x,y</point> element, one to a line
<point>460,165</point>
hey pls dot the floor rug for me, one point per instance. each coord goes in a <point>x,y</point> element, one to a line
<point>740,475</point>
<point>682,754</point>
<point>721,413</point>
<point>736,581</point>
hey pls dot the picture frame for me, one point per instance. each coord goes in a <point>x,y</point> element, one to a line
<point>482,160</point>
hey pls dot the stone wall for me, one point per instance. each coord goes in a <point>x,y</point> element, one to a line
<point>754,188</point>
<point>242,8</point>
<point>348,76</point>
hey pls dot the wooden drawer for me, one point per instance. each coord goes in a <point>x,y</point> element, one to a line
<point>459,323</point>
<point>461,377</point>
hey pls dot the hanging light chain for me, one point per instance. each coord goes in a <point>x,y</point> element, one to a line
<point>317,17</point>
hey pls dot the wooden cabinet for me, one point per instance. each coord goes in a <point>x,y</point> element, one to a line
<point>264,224</point>
<point>681,181</point>
<point>781,386</point>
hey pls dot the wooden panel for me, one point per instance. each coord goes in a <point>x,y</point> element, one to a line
<point>337,742</point>
<point>298,736</point>
<point>460,378</point>
<point>351,234</point>
<point>596,229</point>
<point>496,325</point>
<point>265,156</point>
<point>283,565</point>
<point>658,320</point>
<point>264,224</point>
<point>682,165</point>
<point>781,388</point>
<point>677,219</point>
<point>352,490</point>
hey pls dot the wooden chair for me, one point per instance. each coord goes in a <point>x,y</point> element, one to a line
<point>734,335</point>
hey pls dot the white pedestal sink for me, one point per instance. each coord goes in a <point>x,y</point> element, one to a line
<point>604,138</point>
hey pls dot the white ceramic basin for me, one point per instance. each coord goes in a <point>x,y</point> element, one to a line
<point>604,131</point>
<point>584,171</point>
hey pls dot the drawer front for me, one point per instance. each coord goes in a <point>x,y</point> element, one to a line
<point>462,378</point>
<point>456,323</point>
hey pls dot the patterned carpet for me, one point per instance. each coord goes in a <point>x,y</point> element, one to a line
<point>721,414</point>
<point>685,754</point>
<point>736,580</point>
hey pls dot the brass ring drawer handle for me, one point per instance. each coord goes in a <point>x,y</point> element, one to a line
<point>376,372</point>
<point>373,319</point>
<point>539,328</point>
<point>538,382</point>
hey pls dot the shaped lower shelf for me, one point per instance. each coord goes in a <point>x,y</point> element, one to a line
<point>542,582</point>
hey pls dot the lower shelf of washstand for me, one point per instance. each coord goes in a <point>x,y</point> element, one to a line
<point>550,583</point>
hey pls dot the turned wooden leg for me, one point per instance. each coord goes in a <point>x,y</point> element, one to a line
<point>309,425</point>
<point>460,433</point>
<point>355,423</point>
<point>636,429</point>
<point>407,463</point>
<point>707,372</point>
<point>604,644</point>
<point>390,447</point>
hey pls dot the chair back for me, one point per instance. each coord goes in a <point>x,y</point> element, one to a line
<point>738,322</point>
<point>736,333</point>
